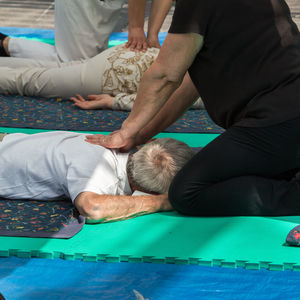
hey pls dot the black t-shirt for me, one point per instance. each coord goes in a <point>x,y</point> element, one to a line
<point>248,71</point>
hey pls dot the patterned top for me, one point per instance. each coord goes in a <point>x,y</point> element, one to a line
<point>124,73</point>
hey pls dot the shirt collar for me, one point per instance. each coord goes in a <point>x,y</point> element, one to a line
<point>123,184</point>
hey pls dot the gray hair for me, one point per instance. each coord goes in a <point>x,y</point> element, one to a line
<point>154,166</point>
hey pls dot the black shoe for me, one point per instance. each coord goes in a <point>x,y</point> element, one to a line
<point>2,36</point>
<point>2,51</point>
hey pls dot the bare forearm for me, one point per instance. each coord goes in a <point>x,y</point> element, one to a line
<point>136,35</point>
<point>156,87</point>
<point>162,78</point>
<point>136,13</point>
<point>158,13</point>
<point>108,208</point>
<point>177,104</point>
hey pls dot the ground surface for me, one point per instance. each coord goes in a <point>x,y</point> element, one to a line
<point>40,14</point>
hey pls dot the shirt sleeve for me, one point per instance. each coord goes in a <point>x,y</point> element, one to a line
<point>101,180</point>
<point>191,16</point>
<point>123,101</point>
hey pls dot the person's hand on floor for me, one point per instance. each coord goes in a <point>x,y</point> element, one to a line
<point>102,101</point>
<point>137,40</point>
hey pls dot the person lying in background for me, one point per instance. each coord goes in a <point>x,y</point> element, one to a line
<point>104,185</point>
<point>111,78</point>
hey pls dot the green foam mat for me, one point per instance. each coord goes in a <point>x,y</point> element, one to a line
<point>192,139</point>
<point>249,242</point>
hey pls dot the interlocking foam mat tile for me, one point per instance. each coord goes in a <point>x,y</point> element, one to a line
<point>249,242</point>
<point>52,219</point>
<point>58,114</point>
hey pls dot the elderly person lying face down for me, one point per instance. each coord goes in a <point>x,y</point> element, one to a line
<point>104,185</point>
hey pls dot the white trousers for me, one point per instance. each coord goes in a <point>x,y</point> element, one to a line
<point>52,79</point>
<point>82,29</point>
<point>117,70</point>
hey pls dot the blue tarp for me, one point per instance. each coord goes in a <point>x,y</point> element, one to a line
<point>35,279</point>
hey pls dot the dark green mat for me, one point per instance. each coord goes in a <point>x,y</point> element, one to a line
<point>249,242</point>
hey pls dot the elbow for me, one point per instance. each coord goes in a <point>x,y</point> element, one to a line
<point>174,78</point>
<point>173,81</point>
<point>88,208</point>
<point>165,75</point>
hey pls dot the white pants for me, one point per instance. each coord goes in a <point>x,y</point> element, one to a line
<point>116,70</point>
<point>82,29</point>
<point>52,79</point>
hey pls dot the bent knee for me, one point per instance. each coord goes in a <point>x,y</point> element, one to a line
<point>182,199</point>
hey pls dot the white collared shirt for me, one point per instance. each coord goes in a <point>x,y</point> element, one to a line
<point>57,164</point>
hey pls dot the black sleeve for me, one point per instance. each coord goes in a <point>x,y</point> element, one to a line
<point>191,16</point>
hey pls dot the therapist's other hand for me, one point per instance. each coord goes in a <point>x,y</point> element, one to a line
<point>153,41</point>
<point>102,101</point>
<point>137,40</point>
<point>115,140</point>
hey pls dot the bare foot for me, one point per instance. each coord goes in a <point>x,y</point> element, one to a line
<point>5,45</point>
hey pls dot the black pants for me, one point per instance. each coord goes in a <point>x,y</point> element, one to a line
<point>243,172</point>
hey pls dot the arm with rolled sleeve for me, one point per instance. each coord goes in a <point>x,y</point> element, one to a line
<point>108,208</point>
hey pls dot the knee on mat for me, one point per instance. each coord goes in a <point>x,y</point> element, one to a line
<point>180,199</point>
